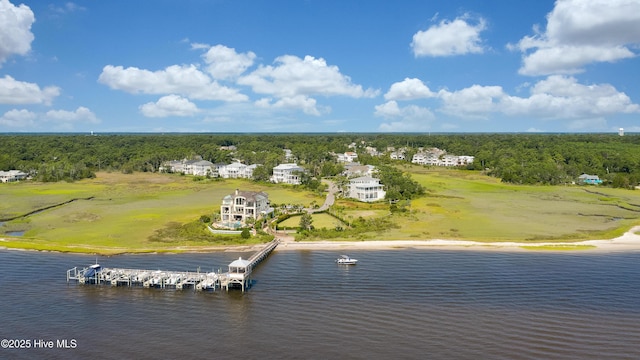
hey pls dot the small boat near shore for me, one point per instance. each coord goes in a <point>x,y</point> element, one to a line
<point>346,260</point>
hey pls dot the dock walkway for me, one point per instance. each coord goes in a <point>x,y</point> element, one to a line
<point>239,273</point>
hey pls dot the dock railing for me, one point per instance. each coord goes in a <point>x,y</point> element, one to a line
<point>168,279</point>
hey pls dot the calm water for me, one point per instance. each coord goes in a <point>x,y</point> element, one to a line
<point>413,304</point>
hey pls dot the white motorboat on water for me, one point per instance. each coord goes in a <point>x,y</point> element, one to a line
<point>346,260</point>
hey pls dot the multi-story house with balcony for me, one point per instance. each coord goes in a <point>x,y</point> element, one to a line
<point>242,205</point>
<point>366,189</point>
<point>287,174</point>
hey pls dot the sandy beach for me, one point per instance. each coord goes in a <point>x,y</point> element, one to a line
<point>629,241</point>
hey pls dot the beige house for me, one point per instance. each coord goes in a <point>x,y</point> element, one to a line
<point>242,205</point>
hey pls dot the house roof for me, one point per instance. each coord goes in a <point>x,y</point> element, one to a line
<point>242,263</point>
<point>249,195</point>
<point>293,166</point>
<point>236,165</point>
<point>363,179</point>
<point>203,163</point>
<point>588,177</point>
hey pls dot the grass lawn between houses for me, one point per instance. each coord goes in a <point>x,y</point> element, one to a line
<point>125,211</point>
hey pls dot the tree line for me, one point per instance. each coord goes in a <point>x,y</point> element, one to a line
<point>515,158</point>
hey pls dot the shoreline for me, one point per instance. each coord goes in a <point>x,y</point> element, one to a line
<point>629,241</point>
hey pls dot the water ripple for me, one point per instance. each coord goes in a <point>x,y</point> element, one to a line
<point>412,303</point>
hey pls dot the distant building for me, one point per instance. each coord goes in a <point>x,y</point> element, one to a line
<point>621,132</point>
<point>12,175</point>
<point>288,155</point>
<point>188,167</point>
<point>589,179</point>
<point>366,189</point>
<point>437,157</point>
<point>347,157</point>
<point>356,170</point>
<point>234,170</point>
<point>372,151</point>
<point>397,155</point>
<point>287,174</point>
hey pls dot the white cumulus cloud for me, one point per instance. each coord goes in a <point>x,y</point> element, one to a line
<point>562,97</point>
<point>293,76</point>
<point>473,102</point>
<point>409,89</point>
<point>64,117</point>
<point>186,80</point>
<point>170,105</point>
<point>225,63</point>
<point>457,37</point>
<point>308,105</point>
<point>558,97</point>
<point>18,118</point>
<point>15,29</point>
<point>581,32</point>
<point>293,81</point>
<point>19,92</point>
<point>408,118</point>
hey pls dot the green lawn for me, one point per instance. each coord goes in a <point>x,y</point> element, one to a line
<point>320,221</point>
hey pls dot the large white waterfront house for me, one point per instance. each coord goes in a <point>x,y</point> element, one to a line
<point>437,157</point>
<point>12,175</point>
<point>242,205</point>
<point>366,189</point>
<point>203,168</point>
<point>237,170</point>
<point>196,167</point>
<point>287,174</point>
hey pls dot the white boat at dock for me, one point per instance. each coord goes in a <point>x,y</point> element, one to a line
<point>346,260</point>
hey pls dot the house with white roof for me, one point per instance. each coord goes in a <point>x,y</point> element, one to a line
<point>437,157</point>
<point>12,175</point>
<point>397,155</point>
<point>589,179</point>
<point>233,171</point>
<point>366,189</point>
<point>347,157</point>
<point>356,170</point>
<point>199,167</point>
<point>288,155</point>
<point>287,174</point>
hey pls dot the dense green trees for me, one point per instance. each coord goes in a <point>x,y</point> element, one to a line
<point>518,158</point>
<point>398,186</point>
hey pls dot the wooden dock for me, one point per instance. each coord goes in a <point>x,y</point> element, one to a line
<point>239,274</point>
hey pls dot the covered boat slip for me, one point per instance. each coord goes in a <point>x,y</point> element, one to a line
<point>144,278</point>
<point>238,275</point>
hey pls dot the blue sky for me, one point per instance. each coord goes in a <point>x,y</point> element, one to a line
<point>320,66</point>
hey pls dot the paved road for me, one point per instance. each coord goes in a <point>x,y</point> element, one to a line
<point>329,200</point>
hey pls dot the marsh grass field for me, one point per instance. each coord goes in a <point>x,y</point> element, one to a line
<point>125,211</point>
